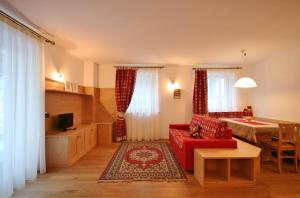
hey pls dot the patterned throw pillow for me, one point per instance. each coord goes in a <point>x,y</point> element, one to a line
<point>195,131</point>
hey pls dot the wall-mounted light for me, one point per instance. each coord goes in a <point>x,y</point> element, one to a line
<point>58,77</point>
<point>177,94</point>
<point>173,85</point>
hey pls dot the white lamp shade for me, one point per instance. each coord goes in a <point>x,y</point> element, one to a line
<point>245,82</point>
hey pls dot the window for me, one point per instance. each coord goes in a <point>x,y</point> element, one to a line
<point>22,148</point>
<point>221,91</point>
<point>1,113</point>
<point>145,95</point>
<point>142,116</point>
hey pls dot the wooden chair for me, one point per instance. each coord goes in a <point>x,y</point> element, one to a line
<point>286,145</point>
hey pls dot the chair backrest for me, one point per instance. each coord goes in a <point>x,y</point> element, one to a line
<point>289,133</point>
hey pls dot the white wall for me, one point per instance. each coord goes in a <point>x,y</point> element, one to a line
<point>175,111</point>
<point>107,76</point>
<point>172,110</point>
<point>278,93</point>
<point>91,74</point>
<point>59,60</point>
<point>56,58</point>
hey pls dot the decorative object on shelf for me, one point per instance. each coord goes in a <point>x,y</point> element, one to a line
<point>245,82</point>
<point>177,93</point>
<point>75,87</point>
<point>68,86</point>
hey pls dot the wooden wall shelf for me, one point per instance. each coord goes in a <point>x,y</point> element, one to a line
<point>67,92</point>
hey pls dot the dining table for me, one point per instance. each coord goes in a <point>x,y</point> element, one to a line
<point>251,130</point>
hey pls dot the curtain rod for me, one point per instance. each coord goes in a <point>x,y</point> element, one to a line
<point>141,67</point>
<point>15,21</point>
<point>195,68</point>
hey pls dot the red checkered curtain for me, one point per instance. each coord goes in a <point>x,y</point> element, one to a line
<point>200,92</point>
<point>125,80</point>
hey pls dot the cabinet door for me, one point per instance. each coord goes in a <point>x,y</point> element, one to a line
<point>105,134</point>
<point>80,144</point>
<point>72,153</point>
<point>94,136</point>
<point>91,137</point>
<point>87,139</point>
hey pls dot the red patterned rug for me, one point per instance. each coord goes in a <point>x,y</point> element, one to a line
<point>143,161</point>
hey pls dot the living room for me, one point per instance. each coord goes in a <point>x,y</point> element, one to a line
<point>167,98</point>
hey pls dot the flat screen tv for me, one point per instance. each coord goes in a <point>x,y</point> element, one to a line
<point>64,121</point>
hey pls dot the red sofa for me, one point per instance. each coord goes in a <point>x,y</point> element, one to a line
<point>214,134</point>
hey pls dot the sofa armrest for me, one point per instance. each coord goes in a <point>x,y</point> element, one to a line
<point>185,127</point>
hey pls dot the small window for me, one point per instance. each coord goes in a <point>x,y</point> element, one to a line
<point>221,92</point>
<point>145,96</point>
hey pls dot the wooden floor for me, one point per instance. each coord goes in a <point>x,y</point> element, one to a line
<point>81,181</point>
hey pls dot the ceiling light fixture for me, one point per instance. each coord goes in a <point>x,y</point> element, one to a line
<point>245,82</point>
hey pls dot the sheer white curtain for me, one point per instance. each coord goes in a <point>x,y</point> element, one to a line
<point>22,148</point>
<point>222,94</point>
<point>142,116</point>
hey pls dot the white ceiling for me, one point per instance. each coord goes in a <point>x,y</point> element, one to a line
<point>167,31</point>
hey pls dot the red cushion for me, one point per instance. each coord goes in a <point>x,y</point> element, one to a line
<point>211,127</point>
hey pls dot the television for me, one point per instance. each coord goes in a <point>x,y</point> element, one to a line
<point>64,121</point>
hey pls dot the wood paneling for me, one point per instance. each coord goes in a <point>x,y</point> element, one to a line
<point>52,84</point>
<point>105,133</point>
<point>58,103</point>
<point>109,108</point>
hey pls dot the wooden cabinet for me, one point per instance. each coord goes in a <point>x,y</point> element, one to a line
<point>105,133</point>
<point>81,143</point>
<point>65,148</point>
<point>90,138</point>
<point>72,150</point>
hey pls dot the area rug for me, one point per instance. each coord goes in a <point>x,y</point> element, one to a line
<point>143,161</point>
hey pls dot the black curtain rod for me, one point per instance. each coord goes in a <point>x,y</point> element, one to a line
<point>15,21</point>
<point>199,68</point>
<point>141,67</point>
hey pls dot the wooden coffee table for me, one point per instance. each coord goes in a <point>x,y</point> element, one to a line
<point>227,167</point>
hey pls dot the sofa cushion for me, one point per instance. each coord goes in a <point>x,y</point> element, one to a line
<point>211,127</point>
<point>196,120</point>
